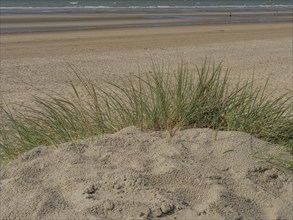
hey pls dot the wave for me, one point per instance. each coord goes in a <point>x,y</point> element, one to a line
<point>150,7</point>
<point>158,8</point>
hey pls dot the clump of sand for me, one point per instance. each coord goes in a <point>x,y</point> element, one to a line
<point>197,174</point>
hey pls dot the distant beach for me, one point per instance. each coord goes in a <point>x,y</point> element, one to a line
<point>66,15</point>
<point>70,22</point>
<point>38,48</point>
<point>41,59</point>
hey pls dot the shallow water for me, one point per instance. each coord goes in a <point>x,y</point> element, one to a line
<point>124,6</point>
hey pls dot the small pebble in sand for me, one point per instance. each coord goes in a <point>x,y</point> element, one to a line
<point>271,174</point>
<point>260,169</point>
<point>166,208</point>
<point>202,213</point>
<point>90,190</point>
<point>90,197</point>
<point>157,212</point>
<point>108,205</point>
<point>215,177</point>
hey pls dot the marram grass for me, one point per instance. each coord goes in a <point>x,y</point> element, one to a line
<point>161,100</point>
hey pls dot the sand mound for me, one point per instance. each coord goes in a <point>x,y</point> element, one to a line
<point>197,174</point>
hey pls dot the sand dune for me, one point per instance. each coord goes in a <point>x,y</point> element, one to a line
<point>197,174</point>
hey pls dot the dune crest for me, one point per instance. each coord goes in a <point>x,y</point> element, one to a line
<point>197,174</point>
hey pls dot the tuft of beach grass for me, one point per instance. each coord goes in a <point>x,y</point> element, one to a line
<point>162,100</point>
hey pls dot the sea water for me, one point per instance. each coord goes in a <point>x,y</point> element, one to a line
<point>132,6</point>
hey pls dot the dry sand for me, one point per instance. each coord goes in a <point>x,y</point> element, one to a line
<point>197,174</point>
<point>43,59</point>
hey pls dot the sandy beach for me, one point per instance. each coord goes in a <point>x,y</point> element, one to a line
<point>196,174</point>
<point>43,59</point>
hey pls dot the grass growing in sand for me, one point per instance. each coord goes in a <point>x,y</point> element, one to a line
<point>159,101</point>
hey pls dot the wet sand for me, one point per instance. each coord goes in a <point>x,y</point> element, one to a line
<point>69,22</point>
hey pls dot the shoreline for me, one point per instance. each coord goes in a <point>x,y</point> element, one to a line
<point>77,22</point>
<point>131,9</point>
